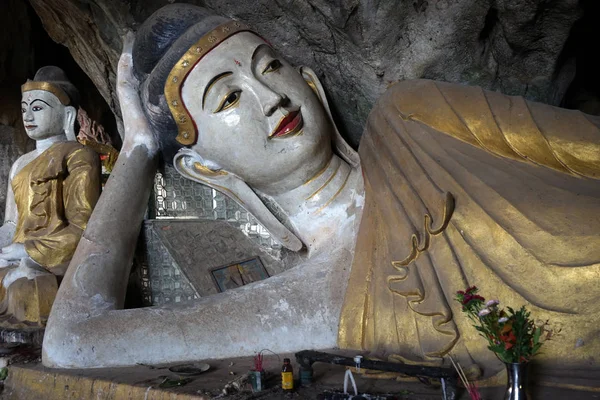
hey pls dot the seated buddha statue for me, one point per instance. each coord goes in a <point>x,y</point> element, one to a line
<point>51,194</point>
<point>452,186</point>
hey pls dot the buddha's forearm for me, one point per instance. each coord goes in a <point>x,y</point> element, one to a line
<point>276,313</point>
<point>96,279</point>
<point>97,276</point>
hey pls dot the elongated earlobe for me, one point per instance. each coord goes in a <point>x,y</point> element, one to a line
<point>342,147</point>
<point>190,165</point>
<point>69,122</point>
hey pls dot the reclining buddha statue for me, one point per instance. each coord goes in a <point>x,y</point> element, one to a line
<point>452,186</point>
<point>51,194</point>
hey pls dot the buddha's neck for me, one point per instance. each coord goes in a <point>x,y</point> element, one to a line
<point>324,204</point>
<point>44,144</point>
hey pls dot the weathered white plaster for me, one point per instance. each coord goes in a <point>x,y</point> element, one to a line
<point>297,309</point>
<point>266,162</point>
<point>137,131</point>
<point>47,121</point>
<point>320,194</point>
<point>45,117</point>
<point>27,269</point>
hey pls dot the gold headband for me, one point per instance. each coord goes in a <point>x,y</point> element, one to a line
<point>187,132</point>
<point>48,87</point>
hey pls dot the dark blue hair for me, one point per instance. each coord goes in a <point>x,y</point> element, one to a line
<point>160,42</point>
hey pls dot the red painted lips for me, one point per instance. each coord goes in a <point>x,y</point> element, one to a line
<point>288,125</point>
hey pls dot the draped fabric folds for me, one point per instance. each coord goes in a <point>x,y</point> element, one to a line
<point>55,195</point>
<point>468,187</point>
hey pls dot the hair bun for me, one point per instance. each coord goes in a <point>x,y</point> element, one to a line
<point>159,44</point>
<point>159,31</point>
<point>57,76</point>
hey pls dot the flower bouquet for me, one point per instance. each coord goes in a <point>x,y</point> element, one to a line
<point>511,334</point>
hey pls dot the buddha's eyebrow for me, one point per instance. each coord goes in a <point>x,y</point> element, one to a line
<point>212,82</point>
<point>257,49</point>
<point>42,102</point>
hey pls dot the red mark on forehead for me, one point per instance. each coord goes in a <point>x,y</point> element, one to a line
<point>239,64</point>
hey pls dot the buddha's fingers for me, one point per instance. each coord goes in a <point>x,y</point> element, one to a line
<point>15,251</point>
<point>128,40</point>
<point>127,85</point>
<point>7,231</point>
<point>8,256</point>
<point>137,129</point>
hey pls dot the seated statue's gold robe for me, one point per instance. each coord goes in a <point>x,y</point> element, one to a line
<point>55,195</point>
<point>468,187</point>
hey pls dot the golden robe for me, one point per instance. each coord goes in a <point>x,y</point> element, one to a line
<point>468,187</point>
<point>55,195</point>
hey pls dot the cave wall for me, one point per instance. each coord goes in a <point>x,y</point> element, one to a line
<point>15,63</point>
<point>359,47</point>
<point>581,47</point>
<point>24,47</point>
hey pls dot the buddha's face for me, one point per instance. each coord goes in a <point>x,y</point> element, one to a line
<point>43,114</point>
<point>256,116</point>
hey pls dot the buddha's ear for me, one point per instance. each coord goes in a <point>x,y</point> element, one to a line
<point>343,148</point>
<point>191,165</point>
<point>69,122</point>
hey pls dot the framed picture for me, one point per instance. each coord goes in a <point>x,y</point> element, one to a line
<point>238,274</point>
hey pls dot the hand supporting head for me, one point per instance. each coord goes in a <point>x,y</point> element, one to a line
<point>215,86</point>
<point>252,123</point>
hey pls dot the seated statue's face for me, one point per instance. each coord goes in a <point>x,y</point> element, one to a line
<point>43,114</point>
<point>256,115</point>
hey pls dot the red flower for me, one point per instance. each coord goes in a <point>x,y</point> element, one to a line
<point>469,297</point>
<point>507,336</point>
<point>472,289</point>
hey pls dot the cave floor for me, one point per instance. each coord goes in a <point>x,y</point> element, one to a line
<point>29,380</point>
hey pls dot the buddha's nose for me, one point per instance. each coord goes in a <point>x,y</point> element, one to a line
<point>273,102</point>
<point>28,115</point>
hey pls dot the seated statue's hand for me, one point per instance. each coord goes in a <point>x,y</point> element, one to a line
<point>134,120</point>
<point>7,233</point>
<point>15,251</point>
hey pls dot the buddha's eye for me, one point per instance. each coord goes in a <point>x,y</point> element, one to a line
<point>272,67</point>
<point>229,101</point>
<point>36,108</point>
<point>23,110</point>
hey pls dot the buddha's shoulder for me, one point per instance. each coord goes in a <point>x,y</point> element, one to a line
<point>21,162</point>
<point>68,147</point>
<point>423,89</point>
<point>73,149</point>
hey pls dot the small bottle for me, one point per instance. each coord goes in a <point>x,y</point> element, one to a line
<point>287,375</point>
